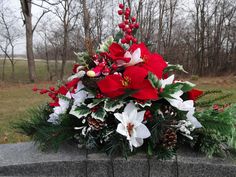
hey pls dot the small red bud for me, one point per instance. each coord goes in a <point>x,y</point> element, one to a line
<point>114,66</point>
<point>127,9</point>
<point>101,64</point>
<point>126,22</point>
<point>35,89</point>
<point>128,37</point>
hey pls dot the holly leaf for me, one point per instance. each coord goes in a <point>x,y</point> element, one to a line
<point>186,86</point>
<point>95,102</point>
<point>99,114</point>
<point>118,36</point>
<point>154,80</point>
<point>81,111</point>
<point>112,105</point>
<point>171,68</point>
<point>170,89</point>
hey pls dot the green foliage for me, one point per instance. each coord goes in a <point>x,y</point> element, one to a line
<point>216,95</point>
<point>171,68</point>
<point>45,134</point>
<point>83,59</point>
<point>219,130</point>
<point>154,80</point>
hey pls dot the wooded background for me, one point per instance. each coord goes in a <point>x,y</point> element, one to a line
<point>199,34</point>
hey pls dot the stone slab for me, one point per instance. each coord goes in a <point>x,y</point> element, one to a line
<point>99,165</point>
<point>136,166</point>
<point>163,168</point>
<point>25,159</point>
<point>191,164</point>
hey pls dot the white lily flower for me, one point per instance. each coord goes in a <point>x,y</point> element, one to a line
<point>61,109</point>
<point>131,125</point>
<point>135,57</point>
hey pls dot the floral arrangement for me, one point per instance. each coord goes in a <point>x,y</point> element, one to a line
<point>123,99</point>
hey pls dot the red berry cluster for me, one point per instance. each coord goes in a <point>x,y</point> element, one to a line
<point>103,64</point>
<point>147,115</point>
<point>51,93</point>
<point>99,95</point>
<point>128,25</point>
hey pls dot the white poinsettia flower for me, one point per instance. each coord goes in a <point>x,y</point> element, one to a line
<point>131,125</point>
<point>167,81</point>
<point>61,109</point>
<point>135,57</point>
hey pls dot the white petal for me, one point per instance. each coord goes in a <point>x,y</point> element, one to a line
<point>121,129</point>
<point>167,81</point>
<point>136,142</point>
<point>142,131</point>
<point>132,115</point>
<point>140,116</point>
<point>193,119</point>
<point>128,55</point>
<point>119,117</point>
<point>129,107</point>
<point>53,118</point>
<point>136,56</point>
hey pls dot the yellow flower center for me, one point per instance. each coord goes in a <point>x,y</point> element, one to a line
<point>126,81</point>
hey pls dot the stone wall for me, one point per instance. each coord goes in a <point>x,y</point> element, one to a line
<point>24,159</point>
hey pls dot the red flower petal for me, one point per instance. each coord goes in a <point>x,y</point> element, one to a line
<point>116,50</point>
<point>111,85</point>
<point>147,92</point>
<point>194,94</point>
<point>136,75</point>
<point>62,90</point>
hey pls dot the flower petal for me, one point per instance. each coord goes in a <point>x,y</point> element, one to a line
<point>142,131</point>
<point>121,129</point>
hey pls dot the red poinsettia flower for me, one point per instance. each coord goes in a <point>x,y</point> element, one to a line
<point>194,94</point>
<point>152,62</point>
<point>134,78</point>
<point>116,53</point>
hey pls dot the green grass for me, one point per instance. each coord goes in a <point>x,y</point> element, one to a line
<point>21,71</point>
<point>16,98</point>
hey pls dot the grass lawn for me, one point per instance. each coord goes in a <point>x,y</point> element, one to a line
<point>16,98</point>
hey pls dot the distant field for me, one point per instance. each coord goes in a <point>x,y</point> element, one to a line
<point>21,70</point>
<point>16,97</point>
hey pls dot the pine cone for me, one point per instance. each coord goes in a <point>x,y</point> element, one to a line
<point>169,138</point>
<point>95,124</point>
<point>168,111</point>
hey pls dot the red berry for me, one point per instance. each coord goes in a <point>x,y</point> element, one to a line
<point>121,6</point>
<point>129,30</point>
<point>126,17</point>
<point>134,40</point>
<point>114,66</point>
<point>105,71</point>
<point>34,89</point>
<point>121,25</point>
<point>101,64</point>
<point>120,12</point>
<point>123,41</point>
<point>127,9</point>
<point>133,19</point>
<point>52,88</point>
<point>136,25</point>
<point>128,37</point>
<point>126,22</point>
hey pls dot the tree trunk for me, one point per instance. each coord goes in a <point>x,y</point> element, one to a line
<point>26,8</point>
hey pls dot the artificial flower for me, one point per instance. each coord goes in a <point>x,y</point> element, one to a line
<point>131,125</point>
<point>134,78</point>
<point>117,54</point>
